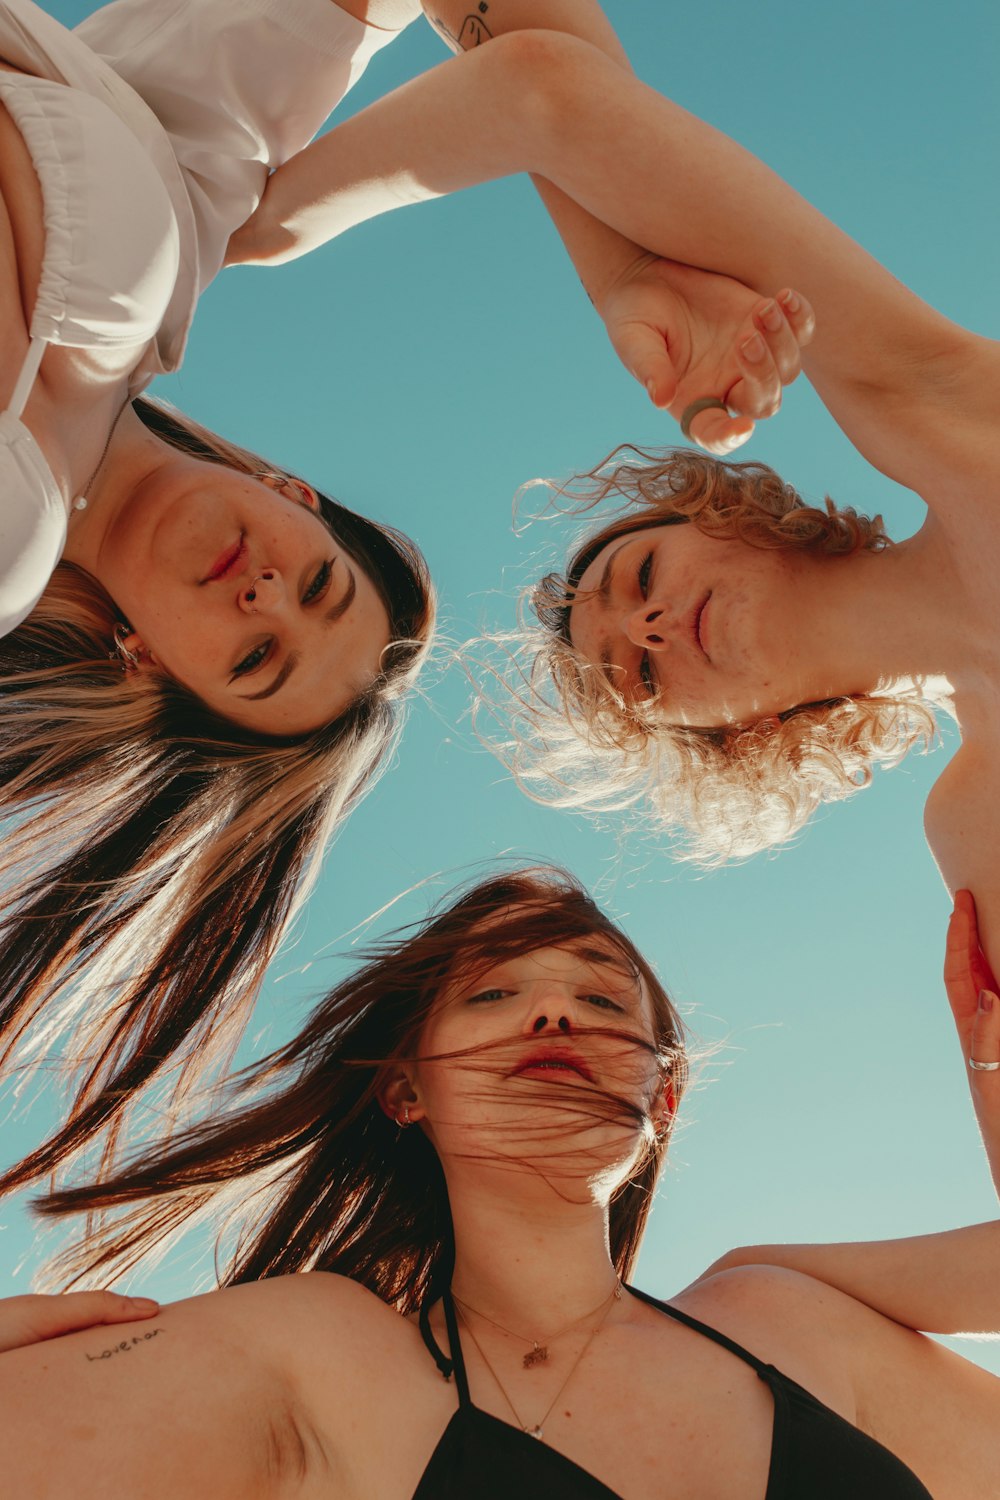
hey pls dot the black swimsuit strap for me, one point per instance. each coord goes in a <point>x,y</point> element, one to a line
<point>763,1370</point>
<point>448,1367</point>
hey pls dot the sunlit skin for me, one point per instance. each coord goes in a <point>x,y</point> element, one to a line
<point>719,632</point>
<point>291,608</point>
<point>533,1060</point>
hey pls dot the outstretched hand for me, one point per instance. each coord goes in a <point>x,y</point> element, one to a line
<point>31,1319</point>
<point>686,334</point>
<point>975,1003</point>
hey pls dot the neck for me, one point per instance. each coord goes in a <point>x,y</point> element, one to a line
<point>528,1259</point>
<point>871,620</point>
<point>133,455</point>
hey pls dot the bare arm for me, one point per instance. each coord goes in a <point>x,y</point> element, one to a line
<point>914,392</point>
<point>181,1404</point>
<point>934,1410</point>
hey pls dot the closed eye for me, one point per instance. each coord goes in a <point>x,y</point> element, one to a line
<point>642,577</point>
<point>485,996</point>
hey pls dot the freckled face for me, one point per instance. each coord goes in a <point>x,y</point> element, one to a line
<point>707,627</point>
<point>237,589</point>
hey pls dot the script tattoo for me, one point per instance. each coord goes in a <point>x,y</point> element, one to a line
<point>473,31</point>
<point>125,1346</point>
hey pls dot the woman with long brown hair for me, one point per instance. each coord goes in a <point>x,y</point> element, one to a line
<point>468,1133</point>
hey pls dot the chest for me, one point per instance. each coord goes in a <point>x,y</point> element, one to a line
<point>700,1429</point>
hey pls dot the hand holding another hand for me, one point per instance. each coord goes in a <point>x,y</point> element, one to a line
<point>685,334</point>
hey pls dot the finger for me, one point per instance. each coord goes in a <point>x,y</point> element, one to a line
<point>75,1310</point>
<point>982,975</point>
<point>757,393</point>
<point>783,346</point>
<point>718,432</point>
<point>985,1043</point>
<point>799,314</point>
<point>643,352</point>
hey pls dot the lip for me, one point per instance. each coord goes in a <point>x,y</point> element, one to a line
<point>696,624</point>
<point>227,561</point>
<point>554,1060</point>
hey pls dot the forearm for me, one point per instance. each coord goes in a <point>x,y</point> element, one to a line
<point>937,1283</point>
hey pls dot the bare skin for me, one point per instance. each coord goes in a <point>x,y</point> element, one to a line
<point>289,1387</point>
<point>915,393</point>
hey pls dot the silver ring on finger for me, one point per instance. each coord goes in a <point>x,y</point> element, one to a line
<point>704,403</point>
<point>982,1067</point>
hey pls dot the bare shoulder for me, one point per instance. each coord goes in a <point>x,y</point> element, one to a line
<point>933,1409</point>
<point>962,824</point>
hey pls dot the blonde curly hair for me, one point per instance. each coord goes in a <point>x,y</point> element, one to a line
<point>724,793</point>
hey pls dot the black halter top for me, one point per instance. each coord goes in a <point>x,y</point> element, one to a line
<point>815,1454</point>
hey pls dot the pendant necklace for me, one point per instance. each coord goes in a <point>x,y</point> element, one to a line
<point>80,503</point>
<point>537,1430</point>
<point>538,1353</point>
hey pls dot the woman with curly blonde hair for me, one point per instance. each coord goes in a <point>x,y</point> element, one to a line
<point>737,762</point>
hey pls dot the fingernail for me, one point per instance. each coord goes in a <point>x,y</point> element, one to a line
<point>770,316</point>
<point>142,1304</point>
<point>791,301</point>
<point>986,1000</point>
<point>754,348</point>
<point>651,388</point>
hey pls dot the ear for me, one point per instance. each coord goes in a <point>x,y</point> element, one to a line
<point>135,655</point>
<point>663,1106</point>
<point>398,1093</point>
<point>295,489</point>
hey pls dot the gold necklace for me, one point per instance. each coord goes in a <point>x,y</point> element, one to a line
<point>538,1430</point>
<point>538,1353</point>
<point>80,503</point>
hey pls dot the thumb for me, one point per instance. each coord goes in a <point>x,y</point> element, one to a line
<point>643,352</point>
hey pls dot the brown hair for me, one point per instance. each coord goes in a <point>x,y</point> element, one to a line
<point>160,850</point>
<point>330,1182</point>
<point>727,792</point>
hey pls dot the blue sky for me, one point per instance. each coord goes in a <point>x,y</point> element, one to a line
<point>425,366</point>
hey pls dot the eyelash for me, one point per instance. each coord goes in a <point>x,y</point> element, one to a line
<point>485,997</point>
<point>642,578</point>
<point>259,654</point>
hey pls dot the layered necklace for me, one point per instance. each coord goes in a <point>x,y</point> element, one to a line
<point>539,1352</point>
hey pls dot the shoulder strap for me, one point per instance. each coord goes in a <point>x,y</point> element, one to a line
<point>763,1370</point>
<point>448,1367</point>
<point>26,379</point>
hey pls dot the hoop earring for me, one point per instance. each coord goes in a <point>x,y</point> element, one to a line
<point>123,655</point>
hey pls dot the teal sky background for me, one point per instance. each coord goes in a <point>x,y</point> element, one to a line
<point>425,366</point>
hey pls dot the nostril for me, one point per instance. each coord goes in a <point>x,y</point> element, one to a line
<point>563,1023</point>
<point>540,1023</point>
<point>654,640</point>
<point>653,614</point>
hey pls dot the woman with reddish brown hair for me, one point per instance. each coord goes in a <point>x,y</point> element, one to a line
<point>468,1134</point>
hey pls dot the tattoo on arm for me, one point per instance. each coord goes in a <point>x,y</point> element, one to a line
<point>125,1346</point>
<point>473,32</point>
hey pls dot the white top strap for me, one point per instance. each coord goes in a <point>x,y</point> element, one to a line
<point>26,379</point>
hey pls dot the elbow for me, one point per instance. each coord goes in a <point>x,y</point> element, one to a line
<point>543,79</point>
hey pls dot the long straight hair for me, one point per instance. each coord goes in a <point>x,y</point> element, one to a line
<point>322,1178</point>
<point>156,852</point>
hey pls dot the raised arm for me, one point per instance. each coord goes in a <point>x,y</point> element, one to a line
<point>913,391</point>
<point>681,332</point>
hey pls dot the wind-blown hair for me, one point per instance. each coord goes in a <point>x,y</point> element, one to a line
<point>320,1178</point>
<point>725,792</point>
<point>155,852</point>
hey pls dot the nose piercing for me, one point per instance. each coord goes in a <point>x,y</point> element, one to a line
<point>251,593</point>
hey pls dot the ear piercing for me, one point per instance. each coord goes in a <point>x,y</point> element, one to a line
<point>124,655</point>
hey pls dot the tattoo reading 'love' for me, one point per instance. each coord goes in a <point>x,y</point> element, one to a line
<point>126,1345</point>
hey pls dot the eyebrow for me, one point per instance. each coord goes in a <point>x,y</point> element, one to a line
<point>293,658</point>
